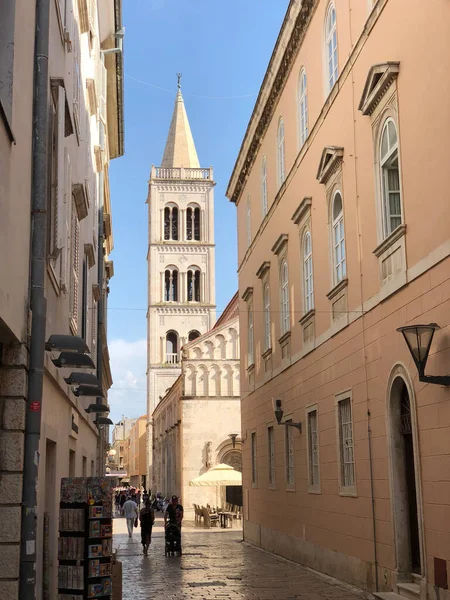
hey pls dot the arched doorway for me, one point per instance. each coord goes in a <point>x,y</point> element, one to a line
<point>405,482</point>
<point>233,492</point>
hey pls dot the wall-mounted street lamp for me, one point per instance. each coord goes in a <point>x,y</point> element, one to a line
<point>279,415</point>
<point>233,437</point>
<point>418,338</point>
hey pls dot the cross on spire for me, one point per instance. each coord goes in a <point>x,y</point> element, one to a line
<point>179,75</point>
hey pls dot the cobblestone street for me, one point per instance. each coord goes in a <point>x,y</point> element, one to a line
<point>215,564</point>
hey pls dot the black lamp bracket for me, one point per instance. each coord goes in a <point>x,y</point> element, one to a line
<point>289,424</point>
<point>436,379</point>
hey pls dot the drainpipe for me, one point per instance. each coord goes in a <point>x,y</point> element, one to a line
<point>101,303</point>
<point>38,303</point>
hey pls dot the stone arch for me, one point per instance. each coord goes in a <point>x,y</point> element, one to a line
<point>190,380</point>
<point>234,340</point>
<point>202,381</point>
<point>228,380</point>
<point>197,352</point>
<point>221,346</point>
<point>214,381</point>
<point>209,349</point>
<point>236,380</point>
<point>405,484</point>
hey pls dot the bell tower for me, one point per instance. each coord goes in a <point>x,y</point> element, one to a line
<point>181,253</point>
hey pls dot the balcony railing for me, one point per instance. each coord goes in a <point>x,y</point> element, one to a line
<point>172,359</point>
<point>181,173</point>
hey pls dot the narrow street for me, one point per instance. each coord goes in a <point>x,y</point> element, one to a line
<point>215,564</point>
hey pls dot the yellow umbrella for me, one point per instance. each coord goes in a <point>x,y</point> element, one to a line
<point>219,475</point>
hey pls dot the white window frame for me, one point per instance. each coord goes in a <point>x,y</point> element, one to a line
<point>289,451</point>
<point>308,273</point>
<point>313,449</point>
<point>271,455</point>
<point>331,48</point>
<point>248,222</point>
<point>264,205</point>
<point>346,444</point>
<point>267,323</point>
<point>388,158</point>
<point>338,241</point>
<point>284,297</point>
<point>281,153</point>
<point>303,107</point>
<point>254,458</point>
<point>250,332</point>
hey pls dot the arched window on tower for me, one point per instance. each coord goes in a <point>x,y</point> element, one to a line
<point>193,335</point>
<point>193,284</point>
<point>171,285</point>
<point>172,347</point>
<point>171,222</point>
<point>193,223</point>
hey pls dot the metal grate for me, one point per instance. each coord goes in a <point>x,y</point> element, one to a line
<point>313,447</point>
<point>346,443</point>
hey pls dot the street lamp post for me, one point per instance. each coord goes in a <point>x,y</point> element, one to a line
<point>418,338</point>
<point>279,415</point>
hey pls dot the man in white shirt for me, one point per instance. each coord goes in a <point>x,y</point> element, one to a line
<point>130,511</point>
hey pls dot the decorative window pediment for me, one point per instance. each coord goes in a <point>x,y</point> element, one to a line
<point>92,96</point>
<point>378,81</point>
<point>90,253</point>
<point>263,269</point>
<point>303,208</point>
<point>247,294</point>
<point>81,199</point>
<point>280,244</point>
<point>331,159</point>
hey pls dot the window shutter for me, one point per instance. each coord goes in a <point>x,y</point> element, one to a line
<point>60,178</point>
<point>75,270</point>
<point>76,82</point>
<point>102,82</point>
<point>65,221</point>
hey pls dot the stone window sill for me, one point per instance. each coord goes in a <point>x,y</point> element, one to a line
<point>309,315</point>
<point>267,354</point>
<point>284,339</point>
<point>390,240</point>
<point>337,289</point>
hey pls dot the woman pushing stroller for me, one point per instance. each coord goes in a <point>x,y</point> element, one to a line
<point>173,518</point>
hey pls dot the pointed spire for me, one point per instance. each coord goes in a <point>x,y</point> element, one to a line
<point>180,148</point>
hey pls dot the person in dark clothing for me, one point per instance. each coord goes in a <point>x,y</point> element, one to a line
<point>147,518</point>
<point>174,512</point>
<point>123,499</point>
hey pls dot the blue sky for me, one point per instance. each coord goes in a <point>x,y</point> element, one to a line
<point>222,49</point>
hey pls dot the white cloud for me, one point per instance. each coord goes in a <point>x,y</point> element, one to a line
<point>128,366</point>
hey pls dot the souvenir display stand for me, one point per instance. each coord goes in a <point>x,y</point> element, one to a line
<point>85,538</point>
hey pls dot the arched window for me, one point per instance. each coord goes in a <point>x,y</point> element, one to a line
<point>390,178</point>
<point>193,335</point>
<point>308,282</point>
<point>264,206</point>
<point>331,50</point>
<point>250,334</point>
<point>193,284</point>
<point>171,285</point>
<point>171,223</point>
<point>280,153</point>
<point>193,223</point>
<point>285,317</point>
<point>215,377</point>
<point>266,300</point>
<point>172,347</point>
<point>249,222</point>
<point>340,269</point>
<point>303,107</point>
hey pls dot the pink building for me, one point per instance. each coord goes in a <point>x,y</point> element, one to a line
<point>344,236</point>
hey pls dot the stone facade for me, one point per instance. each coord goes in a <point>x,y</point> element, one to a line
<point>338,247</point>
<point>192,423</point>
<point>136,464</point>
<point>84,114</point>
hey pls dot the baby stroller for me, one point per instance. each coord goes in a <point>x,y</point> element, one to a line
<point>173,539</point>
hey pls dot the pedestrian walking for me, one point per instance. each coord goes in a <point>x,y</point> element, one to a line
<point>123,499</point>
<point>131,514</point>
<point>117,501</point>
<point>147,518</point>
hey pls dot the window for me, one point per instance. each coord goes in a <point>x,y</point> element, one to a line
<point>346,452</point>
<point>250,334</point>
<point>171,223</point>
<point>193,223</point>
<point>267,334</point>
<point>254,466</point>
<point>308,283</point>
<point>77,82</point>
<point>271,442</point>
<point>390,178</point>
<point>289,450</point>
<point>313,449</point>
<point>7,14</point>
<point>280,153</point>
<point>74,268</point>
<point>171,285</point>
<point>249,222</point>
<point>264,206</point>
<point>285,318</point>
<point>72,458</point>
<point>172,347</point>
<point>193,284</point>
<point>331,47</point>
<point>340,269</point>
<point>84,467</point>
<point>303,108</point>
<point>193,335</point>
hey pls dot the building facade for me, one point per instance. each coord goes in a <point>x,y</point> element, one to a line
<point>136,443</point>
<point>181,284</point>
<point>119,436</point>
<point>339,246</point>
<point>85,130</point>
<point>193,422</point>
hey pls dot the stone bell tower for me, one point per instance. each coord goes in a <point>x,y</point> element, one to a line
<point>181,254</point>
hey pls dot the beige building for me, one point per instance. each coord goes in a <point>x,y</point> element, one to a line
<point>193,422</point>
<point>82,100</point>
<point>117,459</point>
<point>136,457</point>
<point>344,236</point>
<point>181,253</point>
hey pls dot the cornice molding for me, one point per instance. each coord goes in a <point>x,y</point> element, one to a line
<point>295,25</point>
<point>303,208</point>
<point>263,269</point>
<point>281,242</point>
<point>377,84</point>
<point>248,293</point>
<point>332,157</point>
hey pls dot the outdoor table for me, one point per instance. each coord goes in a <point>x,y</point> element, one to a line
<point>224,517</point>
